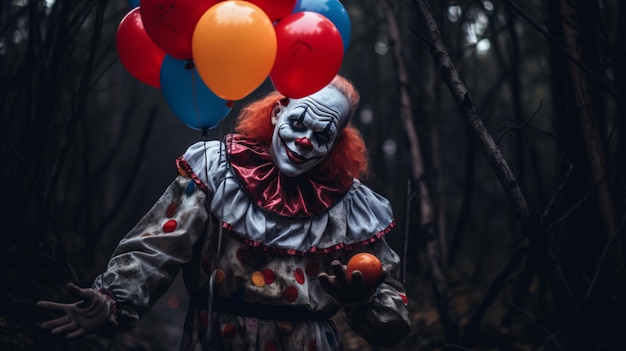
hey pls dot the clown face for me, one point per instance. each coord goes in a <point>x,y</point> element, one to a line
<point>306,130</point>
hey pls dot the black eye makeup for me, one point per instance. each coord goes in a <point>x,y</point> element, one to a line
<point>324,137</point>
<point>298,124</point>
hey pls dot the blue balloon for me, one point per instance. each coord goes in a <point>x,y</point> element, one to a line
<point>334,11</point>
<point>133,3</point>
<point>188,96</point>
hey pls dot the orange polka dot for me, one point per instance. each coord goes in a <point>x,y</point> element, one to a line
<point>258,278</point>
<point>145,234</point>
<point>182,172</point>
<point>219,276</point>
<point>285,328</point>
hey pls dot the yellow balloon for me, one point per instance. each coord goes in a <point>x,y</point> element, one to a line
<point>234,48</point>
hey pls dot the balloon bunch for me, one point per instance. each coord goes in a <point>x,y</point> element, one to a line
<point>204,54</point>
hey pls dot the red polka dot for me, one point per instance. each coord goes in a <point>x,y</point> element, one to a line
<point>269,275</point>
<point>299,275</point>
<point>242,253</point>
<point>312,345</point>
<point>404,299</point>
<point>170,226</point>
<point>291,293</point>
<point>228,332</point>
<point>271,346</point>
<point>312,269</point>
<point>170,211</point>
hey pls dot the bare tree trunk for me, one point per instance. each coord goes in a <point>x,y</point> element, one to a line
<point>428,224</point>
<point>530,223</point>
<point>593,141</point>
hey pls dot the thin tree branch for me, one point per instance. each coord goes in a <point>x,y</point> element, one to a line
<point>609,88</point>
<point>531,225</point>
<point>427,213</point>
<point>524,124</point>
<point>464,101</point>
<point>589,123</point>
<point>602,258</point>
<point>471,329</point>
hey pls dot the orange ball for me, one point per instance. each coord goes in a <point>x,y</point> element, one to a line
<point>369,265</point>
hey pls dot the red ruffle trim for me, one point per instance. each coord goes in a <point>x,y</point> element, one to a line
<point>313,250</point>
<point>182,163</point>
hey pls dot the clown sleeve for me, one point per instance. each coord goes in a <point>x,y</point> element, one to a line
<point>147,259</point>
<point>385,321</point>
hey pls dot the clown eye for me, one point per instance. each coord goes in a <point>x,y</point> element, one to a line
<point>323,137</point>
<point>297,125</point>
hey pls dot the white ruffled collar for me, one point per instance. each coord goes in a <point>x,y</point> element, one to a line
<point>358,218</point>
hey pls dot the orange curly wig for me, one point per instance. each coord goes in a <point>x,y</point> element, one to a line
<point>348,157</point>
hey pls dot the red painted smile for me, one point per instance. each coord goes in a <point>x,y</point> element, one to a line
<point>294,157</point>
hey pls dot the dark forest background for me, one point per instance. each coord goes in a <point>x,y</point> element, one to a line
<point>496,128</point>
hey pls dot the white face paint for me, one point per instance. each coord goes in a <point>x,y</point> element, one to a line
<point>306,130</point>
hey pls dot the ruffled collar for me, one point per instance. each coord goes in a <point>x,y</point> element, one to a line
<point>360,217</point>
<point>303,196</point>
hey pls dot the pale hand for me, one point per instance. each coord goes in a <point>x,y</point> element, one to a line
<point>94,312</point>
<point>348,292</point>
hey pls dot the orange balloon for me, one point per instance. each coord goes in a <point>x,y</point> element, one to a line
<point>234,48</point>
<point>369,265</point>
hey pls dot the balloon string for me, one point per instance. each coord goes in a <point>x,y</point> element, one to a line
<point>190,66</point>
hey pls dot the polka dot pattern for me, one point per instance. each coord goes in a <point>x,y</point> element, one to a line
<point>291,294</point>
<point>191,186</point>
<point>170,211</point>
<point>258,279</point>
<point>170,226</point>
<point>269,275</point>
<point>242,253</point>
<point>299,275</point>
<point>312,269</point>
<point>182,172</point>
<point>219,276</point>
<point>229,331</point>
<point>284,327</point>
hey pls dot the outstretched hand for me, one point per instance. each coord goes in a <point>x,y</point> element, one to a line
<point>348,291</point>
<point>94,312</point>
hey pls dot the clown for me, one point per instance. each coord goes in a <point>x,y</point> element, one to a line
<point>261,225</point>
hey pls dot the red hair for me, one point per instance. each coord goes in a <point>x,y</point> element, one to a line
<point>348,157</point>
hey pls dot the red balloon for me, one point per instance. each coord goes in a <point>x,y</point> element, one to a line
<point>170,23</point>
<point>138,53</point>
<point>309,54</point>
<point>275,9</point>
